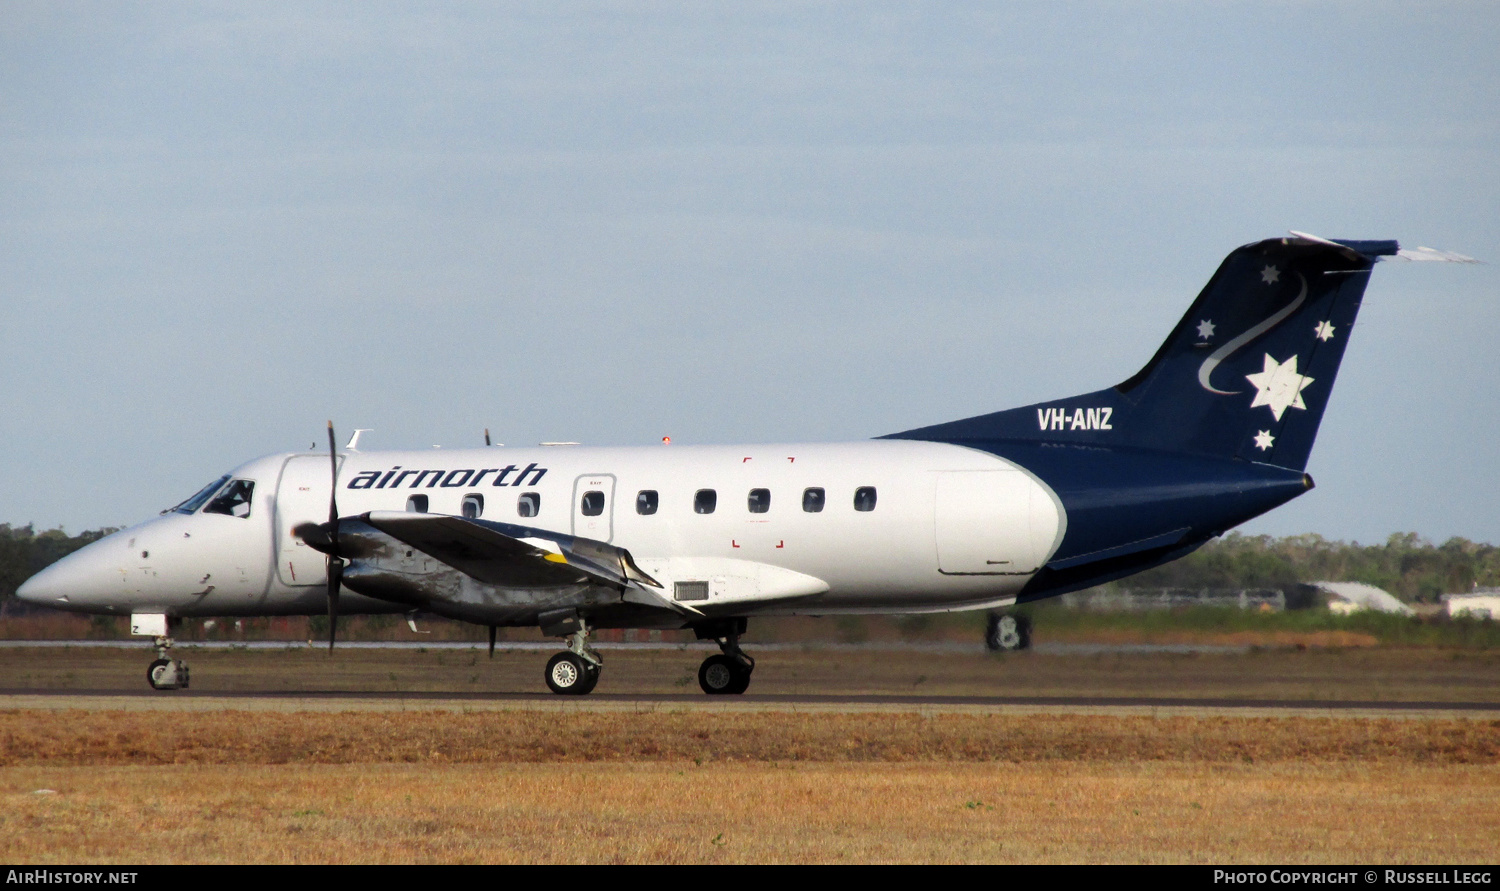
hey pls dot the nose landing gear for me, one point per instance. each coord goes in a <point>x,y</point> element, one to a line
<point>166,673</point>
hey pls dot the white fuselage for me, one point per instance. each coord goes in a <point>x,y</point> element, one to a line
<point>903,527</point>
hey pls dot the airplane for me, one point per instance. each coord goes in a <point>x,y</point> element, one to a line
<point>982,513</point>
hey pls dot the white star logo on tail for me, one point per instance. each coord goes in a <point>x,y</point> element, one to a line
<point>1270,274</point>
<point>1206,329</point>
<point>1264,439</point>
<point>1324,331</point>
<point>1279,386</point>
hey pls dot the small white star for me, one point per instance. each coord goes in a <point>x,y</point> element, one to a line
<point>1263,440</point>
<point>1205,329</point>
<point>1269,275</point>
<point>1324,331</point>
<point>1278,386</point>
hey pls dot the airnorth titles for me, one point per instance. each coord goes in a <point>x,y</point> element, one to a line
<point>395,478</point>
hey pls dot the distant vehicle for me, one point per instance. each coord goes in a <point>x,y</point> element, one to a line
<point>976,514</point>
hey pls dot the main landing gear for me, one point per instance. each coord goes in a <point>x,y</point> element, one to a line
<point>575,672</point>
<point>726,673</point>
<point>166,673</point>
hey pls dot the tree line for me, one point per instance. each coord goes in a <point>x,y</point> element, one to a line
<point>25,552</point>
<point>1407,565</point>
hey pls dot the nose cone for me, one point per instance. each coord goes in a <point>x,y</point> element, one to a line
<point>77,580</point>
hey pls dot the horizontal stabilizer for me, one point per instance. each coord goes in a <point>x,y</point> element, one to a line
<point>1433,255</point>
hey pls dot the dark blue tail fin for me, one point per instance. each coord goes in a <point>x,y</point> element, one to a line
<point>1247,372</point>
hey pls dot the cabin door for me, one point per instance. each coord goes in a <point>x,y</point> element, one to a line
<point>594,506</point>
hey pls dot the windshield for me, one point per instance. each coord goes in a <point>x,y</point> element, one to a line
<point>234,500</point>
<point>203,495</point>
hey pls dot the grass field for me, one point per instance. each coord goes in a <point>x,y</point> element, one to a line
<point>701,787</point>
<point>684,782</point>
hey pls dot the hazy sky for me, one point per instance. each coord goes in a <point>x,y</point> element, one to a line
<point>222,224</point>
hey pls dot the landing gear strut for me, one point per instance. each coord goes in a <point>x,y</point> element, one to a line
<point>575,672</point>
<point>726,673</point>
<point>166,673</point>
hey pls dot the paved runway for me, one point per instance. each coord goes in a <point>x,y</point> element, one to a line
<point>350,700</point>
<point>936,647</point>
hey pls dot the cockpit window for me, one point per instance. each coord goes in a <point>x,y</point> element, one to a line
<point>234,500</point>
<point>197,500</point>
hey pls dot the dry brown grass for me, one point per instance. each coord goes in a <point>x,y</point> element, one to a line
<point>695,786</point>
<point>1059,811</point>
<point>65,737</point>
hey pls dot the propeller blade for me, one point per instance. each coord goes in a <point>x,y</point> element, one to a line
<point>335,579</point>
<point>333,502</point>
<point>335,556</point>
<point>492,641</point>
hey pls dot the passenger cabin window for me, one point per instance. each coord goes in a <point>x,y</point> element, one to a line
<point>197,500</point>
<point>864,498</point>
<point>417,504</point>
<point>234,500</point>
<point>645,502</point>
<point>592,504</point>
<point>529,504</point>
<point>705,501</point>
<point>760,501</point>
<point>473,506</point>
<point>812,500</point>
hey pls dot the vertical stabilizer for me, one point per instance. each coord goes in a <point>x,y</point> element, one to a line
<point>1246,374</point>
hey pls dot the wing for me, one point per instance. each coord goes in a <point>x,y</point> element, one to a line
<point>504,555</point>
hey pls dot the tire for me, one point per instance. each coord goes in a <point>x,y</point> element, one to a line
<point>154,671</point>
<point>590,680</point>
<point>720,675</point>
<point>568,675</point>
<point>1007,632</point>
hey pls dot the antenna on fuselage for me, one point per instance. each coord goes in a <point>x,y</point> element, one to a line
<point>353,445</point>
<point>486,436</point>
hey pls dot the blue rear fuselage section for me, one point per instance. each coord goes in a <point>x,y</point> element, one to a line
<point>1131,509</point>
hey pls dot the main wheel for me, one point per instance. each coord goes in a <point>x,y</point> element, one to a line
<point>569,675</point>
<point>154,673</point>
<point>741,680</point>
<point>590,679</point>
<point>1007,633</point>
<point>720,674</point>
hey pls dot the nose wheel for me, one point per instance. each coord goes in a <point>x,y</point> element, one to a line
<point>166,673</point>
